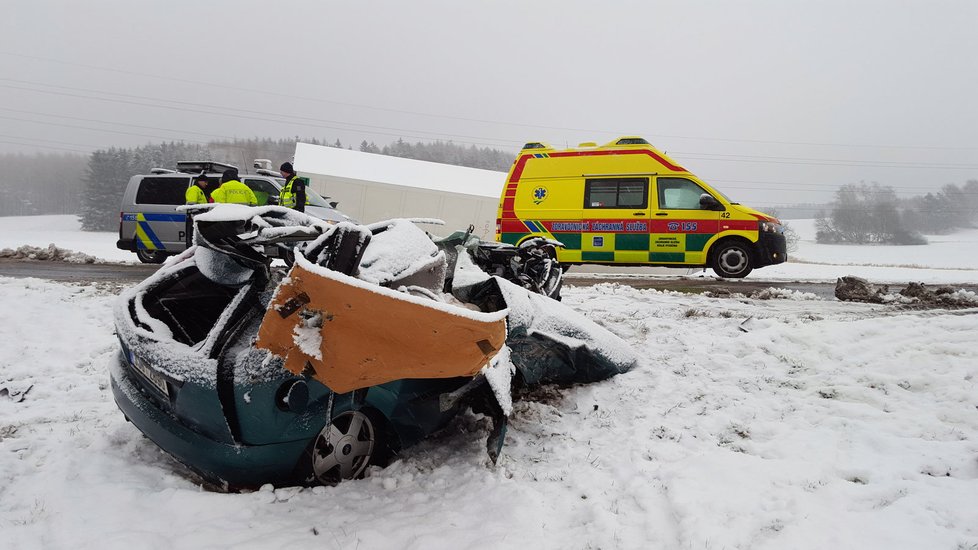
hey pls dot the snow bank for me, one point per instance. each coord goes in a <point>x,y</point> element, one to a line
<point>51,254</point>
<point>64,232</point>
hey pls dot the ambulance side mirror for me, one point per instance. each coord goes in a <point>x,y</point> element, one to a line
<point>709,202</point>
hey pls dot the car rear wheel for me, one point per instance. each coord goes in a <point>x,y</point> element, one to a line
<point>343,449</point>
<point>732,260</point>
<point>150,256</point>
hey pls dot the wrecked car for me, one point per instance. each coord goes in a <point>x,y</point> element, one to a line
<point>374,339</point>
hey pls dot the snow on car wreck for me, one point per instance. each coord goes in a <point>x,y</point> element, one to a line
<point>376,338</point>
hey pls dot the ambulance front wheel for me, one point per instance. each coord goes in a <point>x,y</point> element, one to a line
<point>150,256</point>
<point>732,260</point>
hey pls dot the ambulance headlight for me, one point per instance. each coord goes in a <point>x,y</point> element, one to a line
<point>770,227</point>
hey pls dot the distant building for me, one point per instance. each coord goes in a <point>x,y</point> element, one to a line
<point>371,187</point>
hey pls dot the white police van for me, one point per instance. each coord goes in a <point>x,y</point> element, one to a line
<point>151,226</point>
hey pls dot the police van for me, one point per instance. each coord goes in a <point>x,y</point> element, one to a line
<point>151,226</point>
<point>627,203</point>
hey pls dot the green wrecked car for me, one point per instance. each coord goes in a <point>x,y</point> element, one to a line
<point>374,339</point>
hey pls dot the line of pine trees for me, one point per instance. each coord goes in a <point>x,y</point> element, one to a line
<point>108,171</point>
<point>92,186</point>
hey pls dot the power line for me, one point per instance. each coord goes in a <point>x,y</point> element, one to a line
<point>693,155</point>
<point>897,164</point>
<point>67,117</point>
<point>43,146</point>
<point>97,129</point>
<point>467,119</point>
<point>249,114</point>
<point>88,147</point>
<point>322,124</point>
<point>827,162</point>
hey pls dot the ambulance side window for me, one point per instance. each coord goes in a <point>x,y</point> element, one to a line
<point>679,194</point>
<point>616,193</point>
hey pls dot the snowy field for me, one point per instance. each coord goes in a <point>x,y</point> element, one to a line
<point>945,259</point>
<point>785,423</point>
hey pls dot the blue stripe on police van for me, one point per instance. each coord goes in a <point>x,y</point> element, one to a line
<point>155,217</point>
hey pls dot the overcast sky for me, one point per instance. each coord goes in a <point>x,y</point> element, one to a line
<point>772,101</point>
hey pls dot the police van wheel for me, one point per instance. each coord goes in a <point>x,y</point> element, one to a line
<point>732,260</point>
<point>150,256</point>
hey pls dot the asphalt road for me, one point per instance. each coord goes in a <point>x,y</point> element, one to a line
<point>133,273</point>
<point>76,273</point>
<point>125,274</point>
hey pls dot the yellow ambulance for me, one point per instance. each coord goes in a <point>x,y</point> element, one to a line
<point>627,203</point>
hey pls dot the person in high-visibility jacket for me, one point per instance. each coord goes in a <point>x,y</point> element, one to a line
<point>233,191</point>
<point>195,195</point>
<point>293,194</point>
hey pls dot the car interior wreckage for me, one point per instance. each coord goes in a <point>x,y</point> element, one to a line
<point>376,337</point>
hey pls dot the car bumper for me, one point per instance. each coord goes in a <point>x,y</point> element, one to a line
<point>227,465</point>
<point>772,248</point>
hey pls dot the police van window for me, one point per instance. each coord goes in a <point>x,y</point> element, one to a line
<point>679,194</point>
<point>162,191</point>
<point>616,193</point>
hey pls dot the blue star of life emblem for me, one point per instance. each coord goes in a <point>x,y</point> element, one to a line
<point>539,194</point>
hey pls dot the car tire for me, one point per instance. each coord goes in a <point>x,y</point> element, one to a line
<point>553,285</point>
<point>150,256</point>
<point>732,260</point>
<point>344,448</point>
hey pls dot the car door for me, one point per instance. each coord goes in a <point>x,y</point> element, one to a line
<point>616,216</point>
<point>681,226</point>
<point>264,190</point>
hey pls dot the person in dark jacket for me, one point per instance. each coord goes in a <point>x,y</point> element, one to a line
<point>293,194</point>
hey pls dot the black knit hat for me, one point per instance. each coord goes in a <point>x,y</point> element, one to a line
<point>229,174</point>
<point>202,178</point>
<point>287,168</point>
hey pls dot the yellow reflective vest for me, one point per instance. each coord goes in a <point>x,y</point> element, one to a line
<point>234,192</point>
<point>195,195</point>
<point>287,198</point>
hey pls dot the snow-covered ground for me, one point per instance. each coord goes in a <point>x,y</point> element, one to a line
<point>783,423</point>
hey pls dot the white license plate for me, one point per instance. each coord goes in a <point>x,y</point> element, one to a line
<point>154,377</point>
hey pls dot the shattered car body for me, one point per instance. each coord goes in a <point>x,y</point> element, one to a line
<point>377,337</point>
